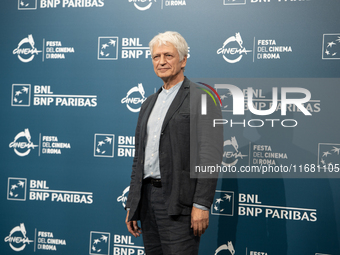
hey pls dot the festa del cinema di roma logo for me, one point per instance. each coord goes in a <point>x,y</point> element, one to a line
<point>226,247</point>
<point>23,145</point>
<point>134,97</point>
<point>17,238</point>
<point>26,50</point>
<point>232,50</point>
<point>22,148</point>
<point>142,5</point>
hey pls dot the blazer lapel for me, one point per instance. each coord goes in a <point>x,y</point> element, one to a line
<point>147,113</point>
<point>177,102</point>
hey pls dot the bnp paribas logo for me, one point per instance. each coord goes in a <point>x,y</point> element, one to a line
<point>108,48</point>
<point>329,157</point>
<point>233,2</point>
<point>21,95</point>
<point>331,46</point>
<point>16,189</point>
<point>27,4</point>
<point>223,203</point>
<point>99,243</point>
<point>104,145</point>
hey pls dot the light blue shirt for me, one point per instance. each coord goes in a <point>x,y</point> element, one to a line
<point>154,127</point>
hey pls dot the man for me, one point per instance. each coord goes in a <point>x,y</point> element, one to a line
<point>172,207</point>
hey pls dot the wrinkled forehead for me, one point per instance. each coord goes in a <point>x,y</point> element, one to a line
<point>162,46</point>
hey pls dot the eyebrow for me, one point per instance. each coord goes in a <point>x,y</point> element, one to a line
<point>168,52</point>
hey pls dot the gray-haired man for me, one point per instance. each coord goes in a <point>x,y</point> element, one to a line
<point>172,207</point>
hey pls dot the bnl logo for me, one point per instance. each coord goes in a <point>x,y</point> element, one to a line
<point>331,46</point>
<point>239,101</point>
<point>223,203</point>
<point>99,243</point>
<point>27,4</point>
<point>329,156</point>
<point>21,94</point>
<point>233,2</point>
<point>108,48</point>
<point>104,145</point>
<point>16,189</point>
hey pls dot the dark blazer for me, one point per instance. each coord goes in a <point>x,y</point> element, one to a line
<point>179,190</point>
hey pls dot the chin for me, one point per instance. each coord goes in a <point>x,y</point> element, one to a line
<point>162,75</point>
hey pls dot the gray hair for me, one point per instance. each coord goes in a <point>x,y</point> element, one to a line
<point>175,39</point>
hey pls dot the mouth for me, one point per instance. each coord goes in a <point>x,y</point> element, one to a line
<point>163,69</point>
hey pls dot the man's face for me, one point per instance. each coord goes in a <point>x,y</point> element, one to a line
<point>166,64</point>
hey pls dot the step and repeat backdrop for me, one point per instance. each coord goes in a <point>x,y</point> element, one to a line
<point>74,74</point>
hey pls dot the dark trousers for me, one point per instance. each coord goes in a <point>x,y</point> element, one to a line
<point>164,234</point>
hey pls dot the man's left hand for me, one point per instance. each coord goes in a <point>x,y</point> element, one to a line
<point>199,220</point>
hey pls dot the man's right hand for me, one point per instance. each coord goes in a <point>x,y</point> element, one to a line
<point>132,226</point>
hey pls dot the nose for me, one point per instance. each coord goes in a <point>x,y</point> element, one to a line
<point>162,61</point>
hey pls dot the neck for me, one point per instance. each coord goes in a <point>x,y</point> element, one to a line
<point>169,82</point>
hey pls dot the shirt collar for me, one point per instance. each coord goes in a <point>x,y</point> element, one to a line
<point>172,89</point>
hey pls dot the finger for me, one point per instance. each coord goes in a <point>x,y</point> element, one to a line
<point>202,226</point>
<point>134,224</point>
<point>200,229</point>
<point>205,226</point>
<point>130,229</point>
<point>203,230</point>
<point>136,228</point>
<point>195,229</point>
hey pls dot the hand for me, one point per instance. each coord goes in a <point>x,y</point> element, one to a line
<point>199,221</point>
<point>132,226</point>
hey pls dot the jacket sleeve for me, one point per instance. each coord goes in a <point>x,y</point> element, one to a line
<point>209,142</point>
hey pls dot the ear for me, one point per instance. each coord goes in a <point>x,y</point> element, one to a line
<point>184,62</point>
